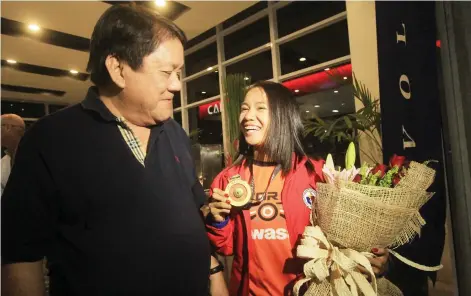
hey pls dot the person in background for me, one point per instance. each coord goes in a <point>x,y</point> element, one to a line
<point>263,235</point>
<point>13,129</point>
<point>106,189</point>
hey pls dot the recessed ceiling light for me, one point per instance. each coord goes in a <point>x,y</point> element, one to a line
<point>326,69</point>
<point>345,78</point>
<point>335,111</point>
<point>246,78</point>
<point>302,59</point>
<point>34,27</point>
<point>307,111</point>
<point>22,109</point>
<point>343,104</point>
<point>74,71</point>
<point>296,90</point>
<point>317,106</point>
<point>11,61</point>
<point>203,92</point>
<point>160,3</point>
<point>210,68</point>
<point>336,91</point>
<point>216,71</point>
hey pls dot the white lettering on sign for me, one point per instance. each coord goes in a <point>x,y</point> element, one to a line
<point>401,37</point>
<point>213,109</point>
<point>270,234</point>
<point>406,93</point>
<point>407,140</point>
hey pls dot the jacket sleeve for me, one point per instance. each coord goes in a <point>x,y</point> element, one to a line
<point>221,234</point>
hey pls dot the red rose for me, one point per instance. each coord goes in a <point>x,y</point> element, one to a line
<point>397,160</point>
<point>379,168</point>
<point>357,179</point>
<point>396,180</point>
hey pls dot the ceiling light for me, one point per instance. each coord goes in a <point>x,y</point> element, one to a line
<point>336,91</point>
<point>160,3</point>
<point>210,68</point>
<point>11,61</point>
<point>216,71</point>
<point>326,69</point>
<point>74,71</point>
<point>307,111</point>
<point>33,27</point>
<point>345,78</point>
<point>203,92</point>
<point>302,59</point>
<point>246,78</point>
<point>335,111</point>
<point>343,104</point>
<point>317,106</point>
<point>296,90</point>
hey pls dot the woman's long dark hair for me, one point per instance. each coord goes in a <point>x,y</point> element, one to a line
<point>284,131</point>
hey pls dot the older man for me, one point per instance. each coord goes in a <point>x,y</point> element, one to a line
<point>13,128</point>
<point>106,189</point>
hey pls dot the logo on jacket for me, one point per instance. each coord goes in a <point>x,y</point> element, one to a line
<point>308,195</point>
<point>269,209</point>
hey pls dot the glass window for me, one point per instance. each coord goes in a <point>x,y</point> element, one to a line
<point>305,13</point>
<point>55,108</point>
<point>318,47</point>
<point>205,123</point>
<point>25,110</point>
<point>247,38</point>
<point>201,59</point>
<point>177,101</point>
<point>201,37</point>
<point>259,67</point>
<point>245,14</point>
<point>202,87</point>
<point>178,117</point>
<point>328,95</point>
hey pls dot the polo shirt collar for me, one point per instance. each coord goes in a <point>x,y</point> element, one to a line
<point>93,102</point>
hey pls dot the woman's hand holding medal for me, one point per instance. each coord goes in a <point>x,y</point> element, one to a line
<point>220,205</point>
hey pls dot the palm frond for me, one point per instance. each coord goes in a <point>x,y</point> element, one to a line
<point>345,128</point>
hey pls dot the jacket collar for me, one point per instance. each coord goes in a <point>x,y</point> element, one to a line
<point>297,162</point>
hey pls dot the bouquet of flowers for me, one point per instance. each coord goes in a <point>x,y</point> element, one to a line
<point>358,209</point>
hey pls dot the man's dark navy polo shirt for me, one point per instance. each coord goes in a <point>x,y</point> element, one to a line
<point>108,224</point>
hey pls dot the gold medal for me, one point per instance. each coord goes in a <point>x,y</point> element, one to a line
<point>239,192</point>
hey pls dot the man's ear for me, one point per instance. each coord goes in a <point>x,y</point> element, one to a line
<point>115,69</point>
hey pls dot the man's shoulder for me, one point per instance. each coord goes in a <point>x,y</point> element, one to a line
<point>63,116</point>
<point>56,126</point>
<point>176,129</point>
<point>173,125</point>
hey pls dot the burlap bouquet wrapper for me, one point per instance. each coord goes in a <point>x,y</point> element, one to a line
<point>356,218</point>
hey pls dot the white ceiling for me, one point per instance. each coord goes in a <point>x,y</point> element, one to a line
<point>79,18</point>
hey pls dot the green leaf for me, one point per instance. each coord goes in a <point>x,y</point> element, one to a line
<point>348,121</point>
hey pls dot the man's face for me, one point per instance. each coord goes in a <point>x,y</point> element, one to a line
<point>149,90</point>
<point>13,129</point>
